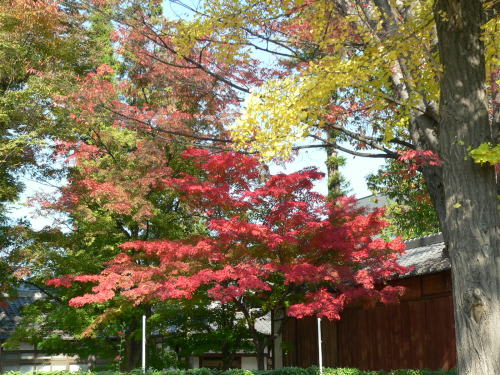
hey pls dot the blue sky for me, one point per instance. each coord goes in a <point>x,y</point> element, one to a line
<point>354,171</point>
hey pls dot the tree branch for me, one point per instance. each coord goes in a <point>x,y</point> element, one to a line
<point>331,143</point>
<point>188,59</point>
<point>44,290</point>
<point>367,139</point>
<point>170,132</point>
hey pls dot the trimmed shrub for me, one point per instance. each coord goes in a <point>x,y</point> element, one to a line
<point>313,370</point>
<point>422,372</point>
<point>351,371</point>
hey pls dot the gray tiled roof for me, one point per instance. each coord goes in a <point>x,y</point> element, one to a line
<point>10,315</point>
<point>10,309</point>
<point>426,255</point>
<point>372,201</point>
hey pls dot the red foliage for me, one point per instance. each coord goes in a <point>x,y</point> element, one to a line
<point>416,158</point>
<point>266,233</point>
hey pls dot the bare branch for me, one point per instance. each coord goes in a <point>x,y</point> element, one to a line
<point>367,139</point>
<point>331,143</point>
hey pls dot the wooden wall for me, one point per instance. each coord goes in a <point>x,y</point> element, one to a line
<point>416,333</point>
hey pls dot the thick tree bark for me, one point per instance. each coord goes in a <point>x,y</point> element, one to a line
<point>261,359</point>
<point>260,343</point>
<point>133,354</point>
<point>228,355</point>
<point>471,216</point>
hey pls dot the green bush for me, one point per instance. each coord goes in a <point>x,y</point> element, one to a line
<point>351,371</point>
<point>313,370</point>
<point>344,371</point>
<point>291,371</point>
<point>238,371</point>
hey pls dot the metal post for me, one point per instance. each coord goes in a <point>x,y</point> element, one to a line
<point>144,344</point>
<point>320,349</point>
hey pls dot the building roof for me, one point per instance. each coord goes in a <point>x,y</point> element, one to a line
<point>10,315</point>
<point>426,255</point>
<point>373,201</point>
<point>10,310</point>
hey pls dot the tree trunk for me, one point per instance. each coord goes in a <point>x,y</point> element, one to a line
<point>132,350</point>
<point>472,219</point>
<point>260,347</point>
<point>261,360</point>
<point>228,355</point>
<point>433,176</point>
<point>133,354</point>
<point>333,164</point>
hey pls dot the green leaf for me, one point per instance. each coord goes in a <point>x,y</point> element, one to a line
<point>486,153</point>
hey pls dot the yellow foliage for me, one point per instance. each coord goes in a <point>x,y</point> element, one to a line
<point>357,57</point>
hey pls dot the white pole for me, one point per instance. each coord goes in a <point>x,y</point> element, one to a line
<point>320,349</point>
<point>144,344</point>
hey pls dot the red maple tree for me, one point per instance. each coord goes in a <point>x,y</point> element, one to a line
<point>271,242</point>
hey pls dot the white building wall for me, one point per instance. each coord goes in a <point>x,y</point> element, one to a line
<point>27,360</point>
<point>249,363</point>
<point>278,339</point>
<point>25,346</point>
<point>194,362</point>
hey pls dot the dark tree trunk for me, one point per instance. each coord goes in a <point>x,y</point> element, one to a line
<point>228,355</point>
<point>260,343</point>
<point>259,340</point>
<point>133,354</point>
<point>471,215</point>
<point>433,176</point>
<point>261,360</point>
<point>227,362</point>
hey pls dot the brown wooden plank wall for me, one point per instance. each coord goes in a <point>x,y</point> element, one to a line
<point>416,333</point>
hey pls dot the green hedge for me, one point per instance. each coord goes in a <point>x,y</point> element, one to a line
<point>282,371</point>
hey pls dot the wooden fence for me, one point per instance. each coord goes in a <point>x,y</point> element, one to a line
<point>416,333</point>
